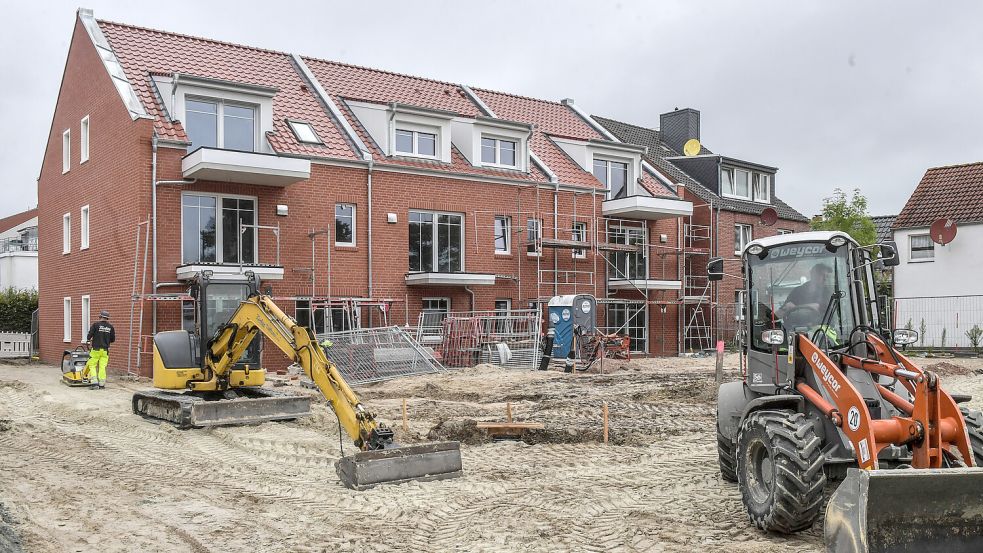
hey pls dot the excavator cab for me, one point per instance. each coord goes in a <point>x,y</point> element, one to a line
<point>827,395</point>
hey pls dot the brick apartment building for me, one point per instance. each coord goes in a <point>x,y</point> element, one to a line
<point>730,197</point>
<point>342,185</point>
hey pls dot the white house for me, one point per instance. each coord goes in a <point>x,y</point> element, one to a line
<point>19,251</point>
<point>938,287</point>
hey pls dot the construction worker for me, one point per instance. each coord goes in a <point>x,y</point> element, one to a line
<point>813,294</point>
<point>101,335</point>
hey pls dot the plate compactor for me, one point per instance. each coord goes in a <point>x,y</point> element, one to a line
<point>828,396</point>
<point>209,383</point>
<point>73,371</point>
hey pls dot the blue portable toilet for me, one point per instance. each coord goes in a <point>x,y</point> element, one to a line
<point>568,311</point>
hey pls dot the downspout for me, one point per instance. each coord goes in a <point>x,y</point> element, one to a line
<point>369,189</point>
<point>471,293</point>
<point>556,227</point>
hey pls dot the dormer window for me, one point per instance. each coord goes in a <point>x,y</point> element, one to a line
<point>745,185</point>
<point>613,175</point>
<point>212,123</point>
<point>414,142</point>
<point>497,151</point>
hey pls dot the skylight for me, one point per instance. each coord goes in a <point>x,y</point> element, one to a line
<point>304,132</point>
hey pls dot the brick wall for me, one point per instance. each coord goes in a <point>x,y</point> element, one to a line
<point>114,182</point>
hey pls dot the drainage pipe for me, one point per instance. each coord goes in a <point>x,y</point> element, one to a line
<point>369,218</point>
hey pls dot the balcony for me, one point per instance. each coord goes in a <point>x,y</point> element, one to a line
<point>230,271</point>
<point>646,207</point>
<point>450,279</point>
<point>244,167</point>
<point>643,284</point>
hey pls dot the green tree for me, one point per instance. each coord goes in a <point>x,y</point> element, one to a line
<point>16,307</point>
<point>975,336</point>
<point>848,215</point>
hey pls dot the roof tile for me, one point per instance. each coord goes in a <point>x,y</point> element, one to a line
<point>952,192</point>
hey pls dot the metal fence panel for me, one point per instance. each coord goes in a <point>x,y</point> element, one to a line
<point>377,354</point>
<point>510,339</point>
<point>930,316</point>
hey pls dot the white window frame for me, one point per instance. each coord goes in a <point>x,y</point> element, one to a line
<point>538,252</point>
<point>295,124</point>
<point>86,312</point>
<point>66,233</point>
<point>508,305</point>
<point>507,233</point>
<point>436,214</point>
<point>354,232</point>
<point>220,119</point>
<point>446,300</point>
<point>84,228</point>
<point>639,234</point>
<point>629,174</point>
<point>84,140</point>
<point>911,252</point>
<point>783,231</point>
<point>582,225</point>
<point>219,234</point>
<point>498,150</point>
<point>739,247</point>
<point>631,322</point>
<point>417,129</point>
<point>767,189</point>
<point>67,319</point>
<point>66,151</point>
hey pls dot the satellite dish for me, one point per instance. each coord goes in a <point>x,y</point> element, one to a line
<point>692,147</point>
<point>943,231</point>
<point>769,216</point>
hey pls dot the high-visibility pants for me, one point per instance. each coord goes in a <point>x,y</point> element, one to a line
<point>96,366</point>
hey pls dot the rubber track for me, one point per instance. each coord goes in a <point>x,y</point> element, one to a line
<point>974,424</point>
<point>798,492</point>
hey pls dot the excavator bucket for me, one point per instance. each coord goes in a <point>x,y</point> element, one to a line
<point>907,510</point>
<point>367,469</point>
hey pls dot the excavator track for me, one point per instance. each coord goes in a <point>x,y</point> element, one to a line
<point>190,410</point>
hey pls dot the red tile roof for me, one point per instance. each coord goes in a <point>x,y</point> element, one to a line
<point>143,52</point>
<point>11,222</point>
<point>656,187</point>
<point>955,192</point>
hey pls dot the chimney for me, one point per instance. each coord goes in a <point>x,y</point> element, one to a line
<point>678,126</point>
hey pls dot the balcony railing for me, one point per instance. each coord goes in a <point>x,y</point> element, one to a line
<point>8,245</point>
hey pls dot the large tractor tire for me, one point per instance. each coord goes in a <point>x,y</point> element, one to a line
<point>974,424</point>
<point>725,457</point>
<point>780,470</point>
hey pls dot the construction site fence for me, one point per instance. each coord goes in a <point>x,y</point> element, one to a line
<point>15,344</point>
<point>942,322</point>
<point>510,339</point>
<point>377,354</point>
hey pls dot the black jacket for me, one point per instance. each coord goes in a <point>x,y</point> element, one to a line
<point>101,334</point>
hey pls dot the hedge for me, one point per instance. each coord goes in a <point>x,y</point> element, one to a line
<point>16,307</point>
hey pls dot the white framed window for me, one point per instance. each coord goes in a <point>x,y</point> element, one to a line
<point>760,187</point>
<point>86,316</point>
<point>503,235</point>
<point>503,306</point>
<point>534,233</point>
<point>215,123</point>
<point>210,228</point>
<point>344,225</point>
<point>579,234</point>
<point>66,151</point>
<point>435,310</point>
<point>436,242</point>
<point>742,236</point>
<point>498,151</point>
<point>419,141</point>
<point>921,248</point>
<point>304,132</point>
<point>84,140</point>
<point>631,265</point>
<point>745,185</point>
<point>66,233</point>
<point>630,319</point>
<point>67,314</point>
<point>84,228</point>
<point>613,175</point>
<point>322,318</point>
<point>782,231</point>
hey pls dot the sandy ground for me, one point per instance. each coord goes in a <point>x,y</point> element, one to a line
<point>80,473</point>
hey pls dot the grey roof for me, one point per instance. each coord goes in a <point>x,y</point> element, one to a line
<point>883,224</point>
<point>658,151</point>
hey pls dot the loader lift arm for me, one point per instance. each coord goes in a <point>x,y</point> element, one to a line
<point>258,314</point>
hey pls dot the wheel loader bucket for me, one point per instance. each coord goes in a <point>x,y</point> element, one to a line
<point>367,469</point>
<point>907,510</point>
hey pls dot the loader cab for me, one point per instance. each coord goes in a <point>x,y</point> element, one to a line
<point>217,299</point>
<point>801,283</point>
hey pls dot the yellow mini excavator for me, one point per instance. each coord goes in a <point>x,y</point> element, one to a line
<point>218,387</point>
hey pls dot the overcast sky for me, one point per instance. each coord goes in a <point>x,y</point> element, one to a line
<point>835,94</point>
